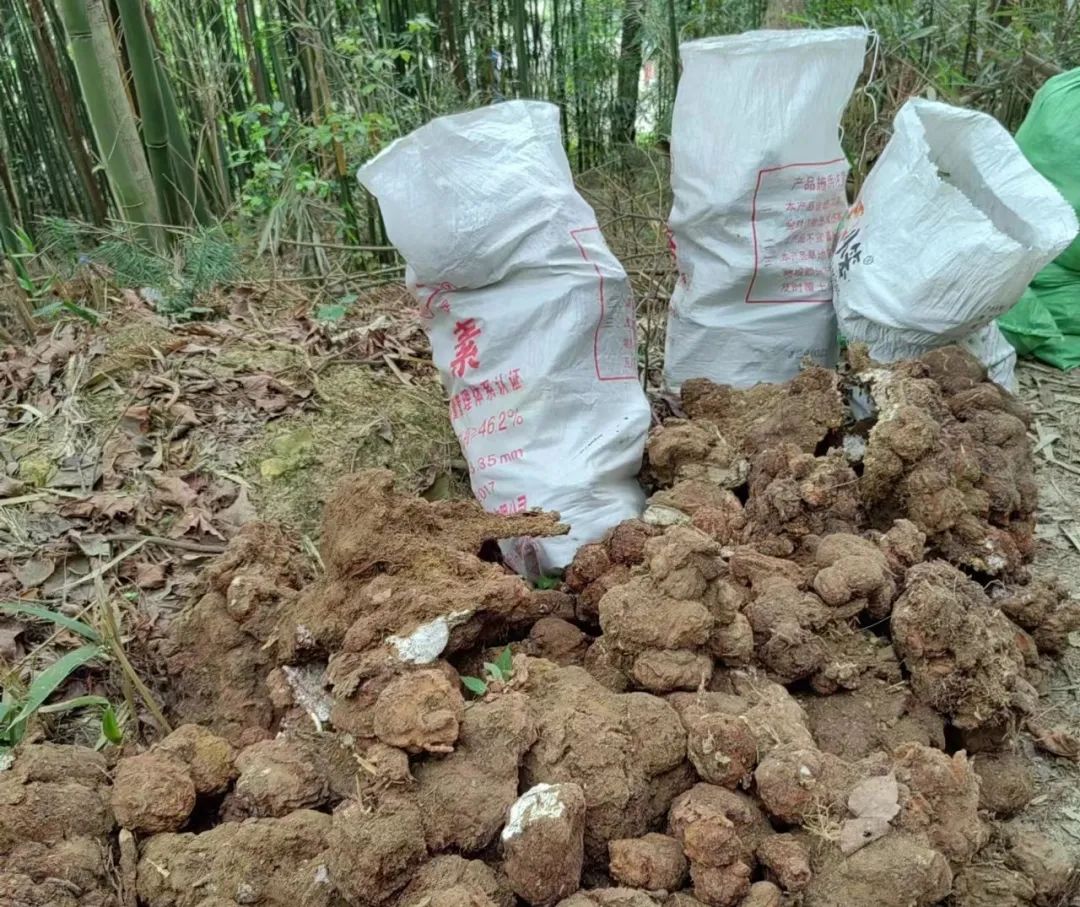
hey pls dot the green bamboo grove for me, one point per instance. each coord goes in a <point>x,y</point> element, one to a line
<point>185,113</point>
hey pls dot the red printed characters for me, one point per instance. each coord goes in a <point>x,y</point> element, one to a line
<point>466,355</point>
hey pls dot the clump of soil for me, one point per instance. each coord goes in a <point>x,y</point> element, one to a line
<point>55,824</point>
<point>152,792</point>
<point>1006,782</point>
<point>278,862</point>
<point>602,565</point>
<point>464,797</point>
<point>450,881</point>
<point>403,587</point>
<point>216,653</point>
<point>1044,609</point>
<point>949,451</point>
<point>755,695</point>
<point>626,751</point>
<point>961,651</point>
<point>543,842</point>
<point>803,411</point>
<point>419,712</point>
<point>654,862</point>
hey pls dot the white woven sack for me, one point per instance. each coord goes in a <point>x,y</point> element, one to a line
<point>759,179</point>
<point>948,230</point>
<point>530,317</point>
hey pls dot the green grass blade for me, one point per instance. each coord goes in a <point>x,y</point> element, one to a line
<point>110,726</point>
<point>47,682</point>
<point>68,623</point>
<point>77,703</point>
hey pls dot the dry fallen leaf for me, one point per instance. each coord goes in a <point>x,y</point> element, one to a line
<point>108,504</point>
<point>182,418</point>
<point>10,487</point>
<point>34,572</point>
<point>93,545</point>
<point>876,797</point>
<point>240,512</point>
<point>149,576</point>
<point>857,833</point>
<point>10,631</point>
<point>174,490</point>
<point>1055,741</point>
<point>136,420</point>
<point>874,802</point>
<point>195,519</point>
<point>119,457</point>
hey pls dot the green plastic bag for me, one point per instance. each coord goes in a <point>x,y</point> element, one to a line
<point>1028,325</point>
<point>1046,321</point>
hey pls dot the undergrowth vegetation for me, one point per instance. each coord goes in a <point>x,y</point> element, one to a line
<point>267,109</point>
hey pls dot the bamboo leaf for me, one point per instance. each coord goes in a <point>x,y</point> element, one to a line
<point>47,682</point>
<point>77,702</point>
<point>68,623</point>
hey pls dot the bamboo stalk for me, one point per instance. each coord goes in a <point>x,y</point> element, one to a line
<point>111,117</point>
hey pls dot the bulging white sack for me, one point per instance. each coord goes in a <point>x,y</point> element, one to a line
<point>530,317</point>
<point>759,179</point>
<point>949,228</point>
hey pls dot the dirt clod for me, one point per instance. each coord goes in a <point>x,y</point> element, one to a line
<point>620,748</point>
<point>152,792</point>
<point>1049,865</point>
<point>763,894</point>
<point>216,653</point>
<point>654,862</point>
<point>895,871</point>
<point>419,711</point>
<point>786,862</point>
<point>961,651</point>
<point>277,777</point>
<point>1006,784</point>
<point>273,862</point>
<point>464,796</point>
<point>452,881</point>
<point>543,842</point>
<point>210,759</point>
<point>373,850</point>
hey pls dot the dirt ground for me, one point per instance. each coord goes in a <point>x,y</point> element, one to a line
<point>1053,397</point>
<point>197,487</point>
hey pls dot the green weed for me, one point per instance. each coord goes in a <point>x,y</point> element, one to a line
<point>500,671</point>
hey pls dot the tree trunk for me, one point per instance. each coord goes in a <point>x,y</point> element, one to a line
<point>111,117</point>
<point>521,50</point>
<point>151,106</point>
<point>626,93</point>
<point>673,87</point>
<point>68,113</point>
<point>258,72</point>
<point>450,50</point>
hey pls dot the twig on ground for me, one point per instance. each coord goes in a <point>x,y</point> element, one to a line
<point>180,544</point>
<point>103,569</point>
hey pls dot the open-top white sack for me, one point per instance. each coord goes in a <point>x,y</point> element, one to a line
<point>759,180</point>
<point>949,228</point>
<point>531,319</point>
